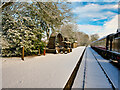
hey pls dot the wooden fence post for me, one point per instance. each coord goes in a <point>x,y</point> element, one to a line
<point>44,52</point>
<point>39,51</point>
<point>22,53</point>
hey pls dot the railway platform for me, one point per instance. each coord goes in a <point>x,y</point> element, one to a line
<point>49,71</point>
<point>96,72</point>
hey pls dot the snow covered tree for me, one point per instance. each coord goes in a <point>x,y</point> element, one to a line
<point>16,37</point>
<point>24,24</point>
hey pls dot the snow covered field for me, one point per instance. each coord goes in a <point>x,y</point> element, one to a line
<point>50,71</point>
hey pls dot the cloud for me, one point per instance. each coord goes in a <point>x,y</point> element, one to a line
<point>89,29</point>
<point>95,11</point>
<point>99,19</point>
<point>94,7</point>
<point>110,27</point>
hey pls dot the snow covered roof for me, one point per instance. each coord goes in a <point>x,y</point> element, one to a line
<point>103,37</point>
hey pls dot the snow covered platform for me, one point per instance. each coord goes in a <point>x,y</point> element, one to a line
<point>50,71</point>
<point>111,70</point>
<point>90,74</point>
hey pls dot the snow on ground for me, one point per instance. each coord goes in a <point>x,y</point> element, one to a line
<point>111,70</point>
<point>50,71</point>
<point>94,76</point>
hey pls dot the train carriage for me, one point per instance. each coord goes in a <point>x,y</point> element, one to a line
<point>108,47</point>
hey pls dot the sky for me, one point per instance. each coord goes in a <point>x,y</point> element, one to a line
<point>96,17</point>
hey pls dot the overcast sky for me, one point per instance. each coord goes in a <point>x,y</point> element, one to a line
<point>96,17</point>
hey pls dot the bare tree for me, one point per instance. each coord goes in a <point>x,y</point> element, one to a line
<point>71,31</point>
<point>94,37</point>
<point>82,38</point>
<point>68,30</point>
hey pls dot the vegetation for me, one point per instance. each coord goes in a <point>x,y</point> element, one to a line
<point>71,31</point>
<point>25,24</point>
<point>94,37</point>
<point>68,30</point>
